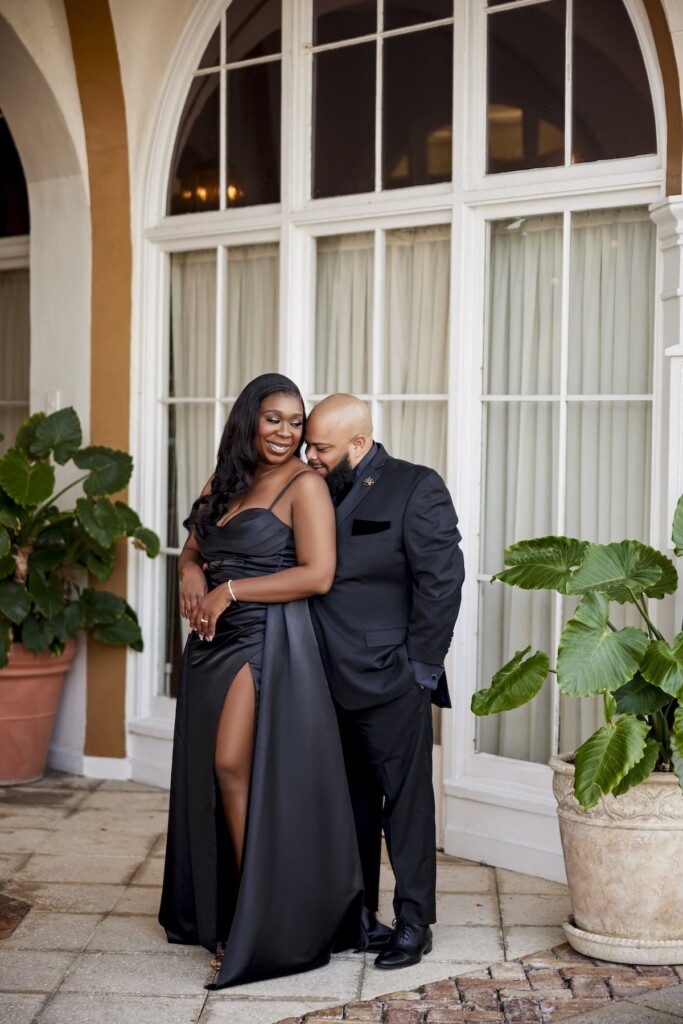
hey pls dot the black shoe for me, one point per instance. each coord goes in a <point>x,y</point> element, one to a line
<point>407,945</point>
<point>373,935</point>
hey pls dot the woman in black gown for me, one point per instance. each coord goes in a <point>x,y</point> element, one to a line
<point>261,854</point>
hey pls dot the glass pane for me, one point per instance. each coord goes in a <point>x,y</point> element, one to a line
<point>334,20</point>
<point>526,74</point>
<point>254,29</point>
<point>252,315</point>
<point>417,125</point>
<point>211,57</point>
<point>509,620</point>
<point>520,474</point>
<point>417,305</point>
<point>344,121</point>
<point>193,324</point>
<point>525,307</point>
<point>612,113</point>
<point>611,313</point>
<point>194,179</point>
<point>608,470</point>
<point>416,431</point>
<point>15,336</point>
<point>343,314</point>
<point>176,630</point>
<point>254,135</point>
<point>191,458</point>
<point>401,13</point>
<point>14,215</point>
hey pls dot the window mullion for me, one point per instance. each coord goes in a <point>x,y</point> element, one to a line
<point>379,65</point>
<point>378,305</point>
<point>223,126</point>
<point>568,78</point>
<point>222,258</point>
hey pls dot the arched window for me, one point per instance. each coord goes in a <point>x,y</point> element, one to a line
<point>441,207</point>
<point>14,289</point>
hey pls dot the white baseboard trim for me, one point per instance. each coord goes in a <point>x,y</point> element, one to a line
<point>65,759</point>
<point>151,746</point>
<point>107,768</point>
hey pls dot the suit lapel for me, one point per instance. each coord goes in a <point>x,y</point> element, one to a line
<point>360,489</point>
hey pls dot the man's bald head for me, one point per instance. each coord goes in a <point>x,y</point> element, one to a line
<point>339,427</point>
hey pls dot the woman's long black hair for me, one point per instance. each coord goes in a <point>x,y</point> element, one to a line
<point>237,461</point>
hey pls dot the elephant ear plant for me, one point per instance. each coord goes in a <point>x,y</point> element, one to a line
<point>44,548</point>
<point>637,671</point>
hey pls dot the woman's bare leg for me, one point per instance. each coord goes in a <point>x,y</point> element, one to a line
<point>233,756</point>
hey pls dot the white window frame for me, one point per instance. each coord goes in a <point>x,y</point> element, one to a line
<point>479,785</point>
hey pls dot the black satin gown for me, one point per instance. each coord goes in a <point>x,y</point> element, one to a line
<point>299,894</point>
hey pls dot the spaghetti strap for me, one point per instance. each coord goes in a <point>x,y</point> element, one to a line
<point>287,485</point>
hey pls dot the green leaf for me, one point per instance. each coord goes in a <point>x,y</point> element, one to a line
<point>513,685</point>
<point>26,484</point>
<point>123,631</point>
<point>27,432</point>
<point>663,666</point>
<point>610,706</point>
<point>591,657</point>
<point>59,433</point>
<point>100,607</point>
<point>8,512</point>
<point>668,581</point>
<point>617,570</point>
<point>638,697</point>
<point>128,517</point>
<point>111,469</point>
<point>545,563</point>
<point>100,520</point>
<point>47,593</point>
<point>36,634</point>
<point>604,759</point>
<point>45,559</point>
<point>677,530</point>
<point>641,770</point>
<point>7,567</point>
<point>15,602</point>
<point>147,540</point>
<point>676,740</point>
<point>5,642</point>
<point>5,543</point>
<point>100,562</point>
<point>68,622</point>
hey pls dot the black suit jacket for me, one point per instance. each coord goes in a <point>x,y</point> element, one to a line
<point>396,591</point>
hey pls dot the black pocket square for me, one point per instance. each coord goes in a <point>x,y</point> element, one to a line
<point>363,527</point>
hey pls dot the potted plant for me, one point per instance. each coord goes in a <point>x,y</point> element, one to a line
<point>619,794</point>
<point>46,551</point>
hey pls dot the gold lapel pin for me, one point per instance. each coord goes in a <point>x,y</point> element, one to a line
<point>368,482</point>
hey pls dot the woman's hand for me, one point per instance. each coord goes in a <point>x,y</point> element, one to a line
<point>193,589</point>
<point>211,606</point>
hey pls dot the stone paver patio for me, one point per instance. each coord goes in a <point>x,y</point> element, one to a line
<point>87,856</point>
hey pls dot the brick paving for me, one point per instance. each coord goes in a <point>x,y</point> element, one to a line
<point>553,985</point>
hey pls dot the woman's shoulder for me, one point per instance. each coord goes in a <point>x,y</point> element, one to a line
<point>305,481</point>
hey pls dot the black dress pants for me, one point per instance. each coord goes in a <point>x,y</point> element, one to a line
<point>388,753</point>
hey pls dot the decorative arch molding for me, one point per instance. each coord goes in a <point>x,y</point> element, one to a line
<point>60,271</point>
<point>668,68</point>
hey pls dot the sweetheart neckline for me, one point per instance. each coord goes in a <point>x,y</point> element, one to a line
<point>254,508</point>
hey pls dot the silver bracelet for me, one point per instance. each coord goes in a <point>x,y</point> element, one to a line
<point>231,592</point>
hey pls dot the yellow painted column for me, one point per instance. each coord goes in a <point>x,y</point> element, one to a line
<point>99,84</point>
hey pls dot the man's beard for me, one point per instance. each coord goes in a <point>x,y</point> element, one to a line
<point>340,480</point>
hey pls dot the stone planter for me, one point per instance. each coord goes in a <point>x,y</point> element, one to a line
<point>30,688</point>
<point>624,859</point>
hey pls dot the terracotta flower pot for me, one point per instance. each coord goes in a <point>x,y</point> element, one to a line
<point>30,688</point>
<point>624,859</point>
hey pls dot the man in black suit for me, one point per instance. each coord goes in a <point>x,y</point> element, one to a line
<point>384,630</point>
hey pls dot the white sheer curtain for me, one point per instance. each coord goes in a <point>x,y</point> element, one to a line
<point>343,318</point>
<point>193,340</point>
<point>15,348</point>
<point>252,328</point>
<point>417,304</point>
<point>521,446</point>
<point>607,467</point>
